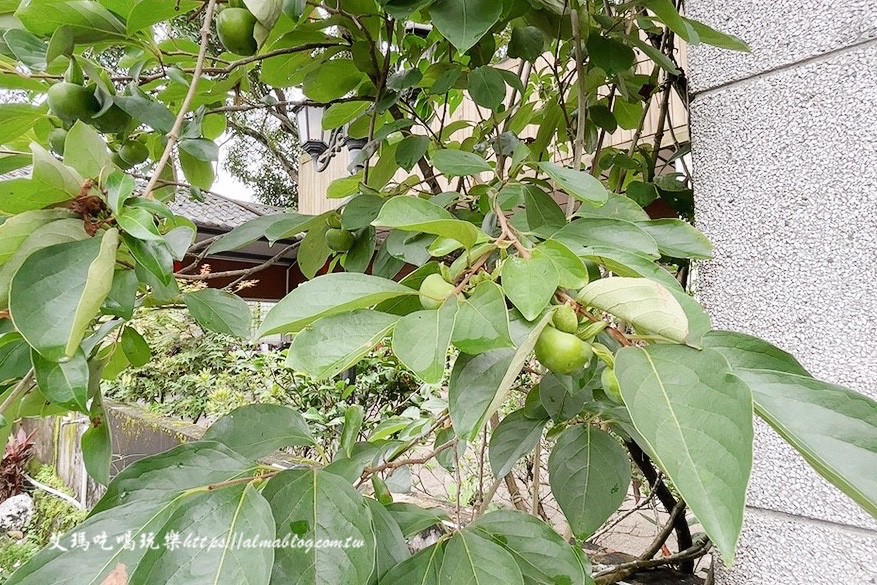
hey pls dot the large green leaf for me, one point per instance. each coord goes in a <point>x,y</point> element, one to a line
<point>421,569</point>
<point>54,232</point>
<point>590,475</point>
<point>53,173</point>
<point>419,215</point>
<point>578,184</point>
<point>87,20</point>
<point>616,207</point>
<point>86,151</point>
<point>137,504</point>
<point>23,195</point>
<point>219,311</point>
<point>643,303</point>
<point>582,235</point>
<point>224,518</point>
<point>563,397</point>
<point>482,321</point>
<point>58,291</point>
<point>332,80</point>
<point>421,340</point>
<point>17,119</point>
<point>480,384</point>
<point>471,559</point>
<point>542,555</point>
<point>63,383</point>
<point>832,427</point>
<point>336,343</point>
<point>624,263</point>
<point>257,430</point>
<point>530,283</point>
<point>513,438</point>
<point>17,229</point>
<point>246,233</point>
<point>678,239</point>
<point>459,163</point>
<point>695,417</point>
<point>318,505</point>
<point>464,22</point>
<point>331,294</point>
<point>391,546</point>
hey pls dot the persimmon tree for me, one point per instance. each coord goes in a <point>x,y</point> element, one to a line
<point>566,326</point>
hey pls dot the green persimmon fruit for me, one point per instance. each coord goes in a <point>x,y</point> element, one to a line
<point>565,319</point>
<point>235,27</point>
<point>562,353</point>
<point>57,138</point>
<point>72,102</point>
<point>113,121</point>
<point>134,152</point>
<point>611,386</point>
<point>434,290</point>
<point>339,240</point>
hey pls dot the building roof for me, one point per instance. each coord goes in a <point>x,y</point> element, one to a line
<point>218,212</point>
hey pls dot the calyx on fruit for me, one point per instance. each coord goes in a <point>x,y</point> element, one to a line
<point>334,221</point>
<point>565,319</point>
<point>235,27</point>
<point>434,290</point>
<point>611,386</point>
<point>339,240</point>
<point>562,353</point>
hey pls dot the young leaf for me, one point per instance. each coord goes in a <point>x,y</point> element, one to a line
<point>96,442</point>
<point>590,475</point>
<point>391,546</point>
<point>530,283</point>
<point>119,188</point>
<point>421,340</point>
<point>513,438</point>
<point>643,303</point>
<point>258,430</point>
<point>135,347</point>
<point>695,417</point>
<point>331,294</point>
<point>464,22</point>
<point>337,342</point>
<point>317,505</point>
<point>219,311</point>
<point>58,291</point>
<point>138,223</point>
<point>482,321</point>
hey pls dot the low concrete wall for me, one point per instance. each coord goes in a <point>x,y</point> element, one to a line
<point>136,433</point>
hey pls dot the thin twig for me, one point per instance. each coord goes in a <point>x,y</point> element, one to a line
<point>23,387</point>
<point>174,135</point>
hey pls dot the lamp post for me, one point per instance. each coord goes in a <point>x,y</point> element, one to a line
<point>323,145</point>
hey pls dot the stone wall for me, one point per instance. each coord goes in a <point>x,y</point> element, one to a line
<point>785,166</point>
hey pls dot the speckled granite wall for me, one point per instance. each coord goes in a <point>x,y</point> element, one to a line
<point>785,163</point>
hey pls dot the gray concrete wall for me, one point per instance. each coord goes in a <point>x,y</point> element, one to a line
<point>785,165</point>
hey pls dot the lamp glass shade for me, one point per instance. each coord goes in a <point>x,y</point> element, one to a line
<point>314,140</point>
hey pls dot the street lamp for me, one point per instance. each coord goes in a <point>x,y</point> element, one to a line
<point>322,144</point>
